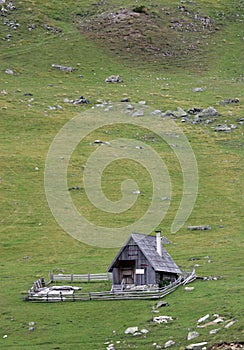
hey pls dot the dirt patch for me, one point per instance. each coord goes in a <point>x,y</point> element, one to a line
<point>153,33</point>
<point>228,346</point>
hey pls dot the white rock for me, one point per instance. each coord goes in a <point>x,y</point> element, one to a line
<point>197,346</point>
<point>230,324</point>
<point>144,331</point>
<point>131,330</point>
<point>202,319</point>
<point>5,336</point>
<point>192,335</point>
<point>188,289</point>
<point>162,319</point>
<point>214,331</point>
<point>169,343</point>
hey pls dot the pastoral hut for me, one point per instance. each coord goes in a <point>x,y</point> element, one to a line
<point>143,261</point>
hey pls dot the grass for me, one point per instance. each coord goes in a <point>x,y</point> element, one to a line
<point>32,243</point>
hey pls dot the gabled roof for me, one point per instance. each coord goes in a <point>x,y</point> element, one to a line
<point>147,245</point>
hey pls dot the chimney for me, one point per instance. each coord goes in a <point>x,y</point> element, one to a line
<point>159,243</point>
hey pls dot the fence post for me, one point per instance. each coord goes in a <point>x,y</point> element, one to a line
<point>71,277</point>
<point>89,277</point>
<point>51,276</point>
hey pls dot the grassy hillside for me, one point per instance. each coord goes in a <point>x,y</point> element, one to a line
<point>163,54</point>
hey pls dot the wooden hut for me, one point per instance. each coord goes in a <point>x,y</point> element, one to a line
<point>143,261</point>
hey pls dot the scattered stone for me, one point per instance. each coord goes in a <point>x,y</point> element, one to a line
<point>229,101</point>
<point>214,331</point>
<point>52,29</point>
<point>144,331</point>
<point>198,89</point>
<point>201,228</point>
<point>202,319</point>
<point>9,71</point>
<point>136,192</point>
<point>31,329</point>
<point>31,323</point>
<point>189,289</point>
<point>99,142</point>
<point>197,346</point>
<point>138,113</point>
<point>78,101</point>
<point>162,319</point>
<point>5,336</point>
<point>222,127</point>
<point>114,79</point>
<point>74,188</point>
<point>211,278</point>
<point>143,103</point>
<point>229,324</point>
<point>131,330</point>
<point>63,68</point>
<point>161,304</point>
<point>217,320</point>
<point>192,335</point>
<point>125,99</point>
<point>169,343</point>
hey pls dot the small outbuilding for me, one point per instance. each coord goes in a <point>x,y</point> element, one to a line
<point>143,261</point>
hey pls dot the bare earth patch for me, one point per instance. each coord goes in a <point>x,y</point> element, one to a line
<point>153,34</point>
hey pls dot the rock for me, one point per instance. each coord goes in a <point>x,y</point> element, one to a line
<point>214,331</point>
<point>9,71</point>
<point>125,99</point>
<point>63,68</point>
<point>223,127</point>
<point>180,112</point>
<point>189,289</point>
<point>192,335</point>
<point>201,228</point>
<point>202,319</point>
<point>131,330</point>
<point>217,320</point>
<point>5,336</point>
<point>80,100</point>
<point>208,112</point>
<point>229,324</point>
<point>139,113</point>
<point>230,100</point>
<point>197,346</point>
<point>114,79</point>
<point>162,319</point>
<point>169,343</point>
<point>144,331</point>
<point>136,192</point>
<point>161,304</point>
<point>198,89</point>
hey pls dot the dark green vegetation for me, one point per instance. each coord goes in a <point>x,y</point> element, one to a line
<point>31,241</point>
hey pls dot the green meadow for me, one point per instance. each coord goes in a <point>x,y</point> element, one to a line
<point>163,53</point>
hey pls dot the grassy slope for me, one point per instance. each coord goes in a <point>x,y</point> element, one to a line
<point>27,226</point>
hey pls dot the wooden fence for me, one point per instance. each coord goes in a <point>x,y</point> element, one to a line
<point>95,277</point>
<point>109,295</point>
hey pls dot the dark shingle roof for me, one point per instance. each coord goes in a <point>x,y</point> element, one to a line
<point>147,244</point>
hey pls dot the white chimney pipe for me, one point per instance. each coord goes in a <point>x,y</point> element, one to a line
<point>159,243</point>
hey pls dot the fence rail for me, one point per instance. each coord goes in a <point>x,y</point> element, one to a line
<point>110,295</point>
<point>90,277</point>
